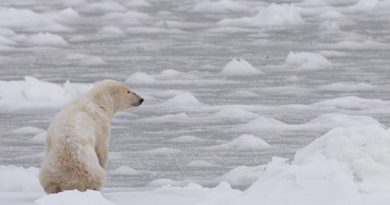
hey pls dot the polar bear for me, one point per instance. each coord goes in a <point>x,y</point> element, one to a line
<point>77,139</point>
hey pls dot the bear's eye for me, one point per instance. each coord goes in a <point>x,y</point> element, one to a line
<point>128,91</point>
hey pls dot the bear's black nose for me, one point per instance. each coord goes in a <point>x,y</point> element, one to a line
<point>141,101</point>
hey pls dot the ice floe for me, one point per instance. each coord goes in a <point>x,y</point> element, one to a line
<point>242,175</point>
<point>46,39</point>
<point>74,197</point>
<point>32,93</point>
<point>273,15</point>
<point>307,61</point>
<point>125,170</point>
<point>244,142</point>
<point>239,67</point>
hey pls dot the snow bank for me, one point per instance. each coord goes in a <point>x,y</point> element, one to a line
<point>182,100</point>
<point>140,78</point>
<point>125,170</point>
<point>345,166</point>
<point>273,15</point>
<point>307,61</point>
<point>85,59</point>
<point>27,131</point>
<point>220,6</point>
<point>262,124</point>
<point>244,142</point>
<point>46,39</point>
<point>242,175</point>
<point>324,121</point>
<point>33,93</point>
<point>239,67</point>
<point>167,76</point>
<point>74,197</point>
<point>28,20</point>
<point>39,138</point>
<point>19,179</point>
<point>233,113</point>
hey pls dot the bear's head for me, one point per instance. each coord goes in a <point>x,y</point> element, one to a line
<point>114,95</point>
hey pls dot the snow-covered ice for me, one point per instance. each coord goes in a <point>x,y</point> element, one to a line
<point>273,15</point>
<point>246,102</point>
<point>307,61</point>
<point>239,67</point>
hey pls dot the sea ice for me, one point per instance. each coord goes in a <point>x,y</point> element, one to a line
<point>242,175</point>
<point>307,61</point>
<point>244,142</point>
<point>46,39</point>
<point>74,197</point>
<point>239,67</point>
<point>125,170</point>
<point>273,15</point>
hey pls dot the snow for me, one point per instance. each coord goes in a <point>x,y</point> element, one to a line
<point>321,122</point>
<point>239,67</point>
<point>46,39</point>
<point>244,142</point>
<point>140,78</point>
<point>27,130</point>
<point>307,61</point>
<point>125,170</point>
<point>243,175</point>
<point>33,93</point>
<point>183,100</point>
<point>74,197</point>
<point>39,138</point>
<point>19,179</point>
<point>168,76</point>
<point>345,165</point>
<point>233,113</point>
<point>220,6</point>
<point>273,15</point>
<point>203,115</point>
<point>28,20</point>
